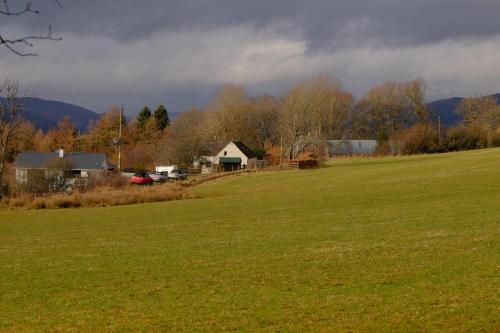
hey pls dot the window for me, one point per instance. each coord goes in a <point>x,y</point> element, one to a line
<point>22,175</point>
<point>225,153</point>
<point>75,173</point>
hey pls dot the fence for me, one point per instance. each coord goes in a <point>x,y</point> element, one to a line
<point>262,164</point>
<point>192,171</point>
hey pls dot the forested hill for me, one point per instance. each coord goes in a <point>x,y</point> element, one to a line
<point>45,114</point>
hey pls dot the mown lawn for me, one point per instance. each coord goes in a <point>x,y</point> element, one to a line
<point>406,244</point>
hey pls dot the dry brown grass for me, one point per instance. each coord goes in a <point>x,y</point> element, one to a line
<point>113,191</point>
<point>99,197</point>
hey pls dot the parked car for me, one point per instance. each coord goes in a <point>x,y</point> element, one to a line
<point>141,178</point>
<point>128,173</point>
<point>177,175</point>
<point>159,177</point>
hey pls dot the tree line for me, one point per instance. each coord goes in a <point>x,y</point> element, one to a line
<point>309,113</point>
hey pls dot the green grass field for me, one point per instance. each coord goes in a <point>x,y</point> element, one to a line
<point>408,244</point>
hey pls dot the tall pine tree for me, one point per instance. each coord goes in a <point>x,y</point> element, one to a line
<point>143,117</point>
<point>161,118</point>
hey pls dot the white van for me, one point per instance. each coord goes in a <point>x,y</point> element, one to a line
<point>172,171</point>
<point>166,168</point>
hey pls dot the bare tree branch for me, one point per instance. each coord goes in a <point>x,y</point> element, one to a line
<point>58,3</point>
<point>26,41</point>
<point>27,9</point>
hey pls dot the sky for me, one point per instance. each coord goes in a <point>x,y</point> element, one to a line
<point>180,52</point>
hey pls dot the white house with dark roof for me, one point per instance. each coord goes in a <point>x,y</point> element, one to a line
<point>81,164</point>
<point>234,156</point>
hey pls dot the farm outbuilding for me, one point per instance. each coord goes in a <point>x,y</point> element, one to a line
<point>352,147</point>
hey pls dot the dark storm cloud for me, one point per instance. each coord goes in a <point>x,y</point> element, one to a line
<point>178,52</point>
<point>322,23</point>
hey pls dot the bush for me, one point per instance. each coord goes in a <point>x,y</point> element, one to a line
<point>466,138</point>
<point>37,183</point>
<point>58,175</point>
<point>114,181</point>
<point>495,138</point>
<point>418,139</point>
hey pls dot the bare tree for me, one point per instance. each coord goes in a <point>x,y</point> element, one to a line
<point>183,143</point>
<point>263,121</point>
<point>10,120</point>
<point>393,106</point>
<point>332,109</point>
<point>360,122</point>
<point>414,92</point>
<point>472,108</point>
<point>296,108</point>
<point>312,111</point>
<point>229,113</point>
<point>490,119</point>
<point>14,44</point>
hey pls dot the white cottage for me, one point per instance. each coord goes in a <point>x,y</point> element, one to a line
<point>235,156</point>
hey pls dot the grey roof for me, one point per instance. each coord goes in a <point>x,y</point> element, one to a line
<point>213,147</point>
<point>79,161</point>
<point>356,147</point>
<point>244,149</point>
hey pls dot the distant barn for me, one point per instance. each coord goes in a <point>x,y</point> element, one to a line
<point>352,147</point>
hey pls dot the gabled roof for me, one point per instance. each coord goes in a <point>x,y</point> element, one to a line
<point>244,149</point>
<point>79,161</point>
<point>213,147</point>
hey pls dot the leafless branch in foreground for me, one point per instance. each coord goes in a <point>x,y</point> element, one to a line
<point>26,41</point>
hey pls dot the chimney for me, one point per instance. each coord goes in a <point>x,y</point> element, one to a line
<point>61,153</point>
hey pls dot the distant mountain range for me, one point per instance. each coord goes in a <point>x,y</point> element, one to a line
<point>45,114</point>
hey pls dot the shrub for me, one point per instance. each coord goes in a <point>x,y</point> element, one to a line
<point>37,183</point>
<point>419,139</point>
<point>114,181</point>
<point>495,138</point>
<point>58,175</point>
<point>466,138</point>
<point>39,203</point>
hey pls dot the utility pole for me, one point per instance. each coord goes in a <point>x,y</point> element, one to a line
<point>439,129</point>
<point>120,142</point>
<point>117,142</point>
<point>281,148</point>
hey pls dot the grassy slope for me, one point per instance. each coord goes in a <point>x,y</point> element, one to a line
<point>393,244</point>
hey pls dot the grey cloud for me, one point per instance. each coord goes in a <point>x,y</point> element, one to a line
<point>179,52</point>
<point>322,23</point>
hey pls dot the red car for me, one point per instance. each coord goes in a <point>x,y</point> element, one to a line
<point>141,178</point>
